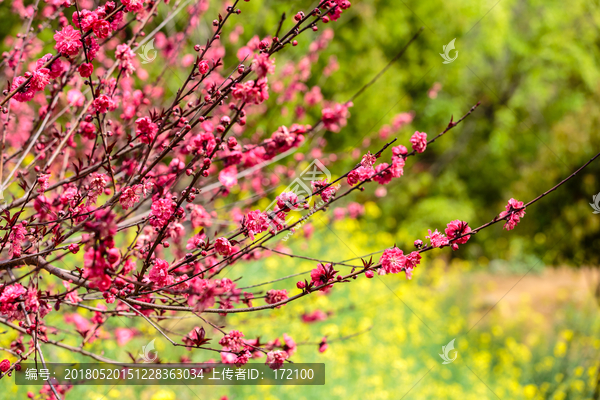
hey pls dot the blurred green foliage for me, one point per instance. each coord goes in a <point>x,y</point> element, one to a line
<point>534,67</point>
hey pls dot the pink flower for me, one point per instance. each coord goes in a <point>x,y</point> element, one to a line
<point>397,169</point>
<point>392,261</point>
<point>93,47</point>
<point>514,216</point>
<point>323,345</point>
<point>339,213</point>
<point>199,216</point>
<point>124,54</point>
<point>263,65</point>
<point>323,274</point>
<point>433,92</point>
<point>256,222</point>
<point>4,365</point>
<point>383,174</point>
<point>458,228</point>
<point>16,239</point>
<point>195,242</point>
<point>124,335</point>
<point>337,12</point>
<point>39,79</point>
<point>113,256</point>
<point>241,359</point>
<point>412,260</point>
<point>360,174</point>
<point>102,103</point>
<point>419,141</point>
<point>275,296</point>
<point>353,178</point>
<point>87,130</point>
<point>286,201</point>
<point>335,118</point>
<point>355,210</point>
<point>55,69</point>
<point>25,94</point>
<point>159,274</point>
<point>68,41</point>
<point>203,67</point>
<point>84,20</point>
<point>326,192</point>
<point>365,173</point>
<point>101,29</point>
<point>97,185</point>
<point>315,316</point>
<point>233,341</point>
<point>146,129</point>
<point>81,324</point>
<point>402,119</point>
<point>399,151</point>
<point>368,160</point>
<point>10,299</point>
<point>313,96</point>
<point>43,181</point>
<point>75,98</point>
<point>437,239</point>
<point>116,19</point>
<point>128,266</point>
<point>11,293</point>
<point>133,5</point>
<point>289,345</point>
<point>95,265</point>
<point>129,197</point>
<point>85,70</point>
<point>161,211</point>
<point>228,176</point>
<point>223,247</point>
<point>275,359</point>
<point>252,92</point>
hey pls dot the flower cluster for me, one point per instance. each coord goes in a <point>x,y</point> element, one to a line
<point>252,92</point>
<point>336,116</point>
<point>256,222</point>
<point>233,341</point>
<point>394,261</point>
<point>323,274</point>
<point>419,141</point>
<point>456,232</point>
<point>68,41</point>
<point>515,210</point>
<point>275,296</point>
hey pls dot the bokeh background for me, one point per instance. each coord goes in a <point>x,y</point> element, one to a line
<point>522,305</point>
